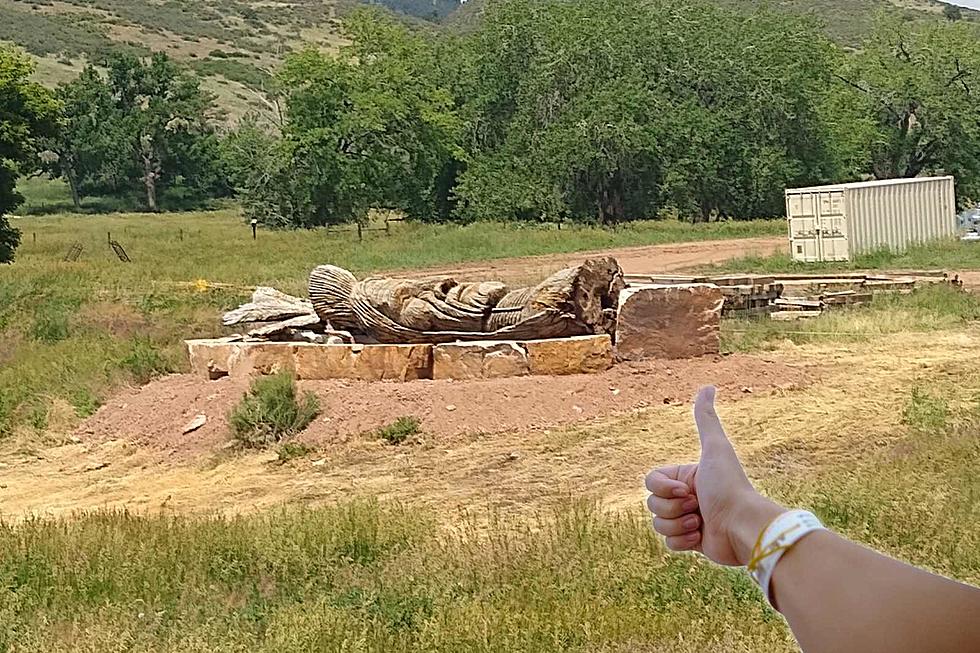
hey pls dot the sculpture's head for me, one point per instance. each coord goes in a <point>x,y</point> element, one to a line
<point>330,291</point>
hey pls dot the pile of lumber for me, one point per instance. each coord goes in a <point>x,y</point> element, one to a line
<point>798,296</point>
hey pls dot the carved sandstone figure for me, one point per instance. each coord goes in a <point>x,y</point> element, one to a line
<point>577,301</point>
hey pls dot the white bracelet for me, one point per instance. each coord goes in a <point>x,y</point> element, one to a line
<point>775,540</point>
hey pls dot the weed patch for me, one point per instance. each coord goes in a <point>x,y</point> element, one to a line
<point>292,450</point>
<point>271,411</point>
<point>401,430</point>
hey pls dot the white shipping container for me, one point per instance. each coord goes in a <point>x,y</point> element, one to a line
<point>837,223</point>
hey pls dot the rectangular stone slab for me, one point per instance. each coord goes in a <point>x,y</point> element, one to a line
<point>214,359</point>
<point>669,321</point>
<point>479,360</point>
<point>580,355</point>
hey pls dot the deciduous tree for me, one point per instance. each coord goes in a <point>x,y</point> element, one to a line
<point>28,114</point>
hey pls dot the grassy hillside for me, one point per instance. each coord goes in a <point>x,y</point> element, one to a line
<point>233,44</point>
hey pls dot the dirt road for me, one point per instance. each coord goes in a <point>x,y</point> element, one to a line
<point>653,259</point>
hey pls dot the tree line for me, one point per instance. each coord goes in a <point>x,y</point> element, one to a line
<point>594,110</point>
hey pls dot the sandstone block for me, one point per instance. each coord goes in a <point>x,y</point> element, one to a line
<point>391,362</point>
<point>563,356</point>
<point>669,321</point>
<point>479,360</point>
<point>320,362</point>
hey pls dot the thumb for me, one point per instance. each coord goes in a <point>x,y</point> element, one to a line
<point>714,442</point>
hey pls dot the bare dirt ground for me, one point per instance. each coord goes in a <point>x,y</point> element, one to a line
<point>153,417</point>
<point>849,404</point>
<point>654,259</point>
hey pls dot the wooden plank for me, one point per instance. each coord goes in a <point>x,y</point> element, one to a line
<point>798,302</point>
<point>789,316</point>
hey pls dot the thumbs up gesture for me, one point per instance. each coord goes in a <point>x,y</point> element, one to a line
<point>709,506</point>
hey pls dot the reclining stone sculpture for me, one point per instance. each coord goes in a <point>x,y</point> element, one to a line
<point>580,300</point>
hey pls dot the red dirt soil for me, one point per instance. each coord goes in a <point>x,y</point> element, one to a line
<point>155,416</point>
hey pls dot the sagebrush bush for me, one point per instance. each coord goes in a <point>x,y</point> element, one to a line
<point>271,411</point>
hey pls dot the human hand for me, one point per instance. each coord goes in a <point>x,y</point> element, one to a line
<point>709,506</point>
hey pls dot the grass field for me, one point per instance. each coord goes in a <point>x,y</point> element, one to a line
<point>70,332</point>
<point>883,445</point>
<point>949,254</point>
<point>363,576</point>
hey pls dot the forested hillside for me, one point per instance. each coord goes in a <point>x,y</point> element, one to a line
<point>235,45</point>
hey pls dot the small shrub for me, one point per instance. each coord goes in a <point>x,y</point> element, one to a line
<point>271,411</point>
<point>293,450</point>
<point>402,429</point>
<point>925,413</point>
<point>144,361</point>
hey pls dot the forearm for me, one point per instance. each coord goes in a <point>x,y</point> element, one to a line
<point>839,596</point>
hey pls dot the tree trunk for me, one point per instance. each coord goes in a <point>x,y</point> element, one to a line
<point>150,181</point>
<point>76,196</point>
<point>151,171</point>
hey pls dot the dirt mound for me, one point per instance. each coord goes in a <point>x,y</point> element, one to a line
<point>155,416</point>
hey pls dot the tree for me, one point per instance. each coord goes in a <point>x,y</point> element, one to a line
<point>911,93</point>
<point>28,114</point>
<point>88,135</point>
<point>141,129</point>
<point>952,13</point>
<point>609,110</point>
<point>371,128</point>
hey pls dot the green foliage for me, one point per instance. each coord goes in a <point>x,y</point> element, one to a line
<point>400,430</point>
<point>952,13</point>
<point>271,411</point>
<point>288,451</point>
<point>142,130</point>
<point>145,361</point>
<point>907,104</point>
<point>235,70</point>
<point>371,128</point>
<point>27,115</point>
<point>590,118</point>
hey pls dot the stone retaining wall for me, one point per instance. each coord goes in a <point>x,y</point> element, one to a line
<point>218,358</point>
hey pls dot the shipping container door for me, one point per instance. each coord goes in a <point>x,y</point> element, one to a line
<point>802,211</point>
<point>832,226</point>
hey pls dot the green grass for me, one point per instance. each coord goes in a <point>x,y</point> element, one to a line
<point>951,254</point>
<point>929,309</point>
<point>368,577</point>
<point>272,411</point>
<point>44,196</point>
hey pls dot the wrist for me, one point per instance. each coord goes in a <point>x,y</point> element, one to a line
<point>752,514</point>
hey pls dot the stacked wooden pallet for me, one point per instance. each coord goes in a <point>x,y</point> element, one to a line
<point>798,296</point>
